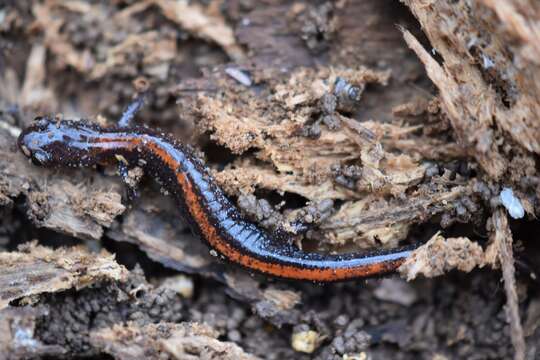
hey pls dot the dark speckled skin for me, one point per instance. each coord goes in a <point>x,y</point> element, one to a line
<point>210,214</point>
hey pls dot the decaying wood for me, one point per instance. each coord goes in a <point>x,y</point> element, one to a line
<point>158,51</point>
<point>502,239</point>
<point>481,86</point>
<point>440,255</point>
<point>488,85</point>
<point>110,321</point>
<point>35,270</point>
<point>209,25</point>
<point>202,344</point>
<point>307,166</point>
<point>166,341</point>
<point>160,233</point>
<point>372,220</point>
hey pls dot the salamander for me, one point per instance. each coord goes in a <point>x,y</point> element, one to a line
<point>210,214</point>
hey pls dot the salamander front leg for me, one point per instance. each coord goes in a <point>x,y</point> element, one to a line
<point>130,179</point>
<point>131,110</point>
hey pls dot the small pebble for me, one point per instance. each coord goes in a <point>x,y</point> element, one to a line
<point>180,284</point>
<point>512,203</point>
<point>305,341</point>
<point>239,76</point>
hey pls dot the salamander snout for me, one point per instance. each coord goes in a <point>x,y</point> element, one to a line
<point>50,142</point>
<point>38,142</point>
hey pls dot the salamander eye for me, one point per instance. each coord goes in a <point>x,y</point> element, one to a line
<point>40,120</point>
<point>41,157</point>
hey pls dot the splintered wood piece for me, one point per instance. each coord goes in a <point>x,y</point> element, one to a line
<point>34,270</point>
<point>186,341</point>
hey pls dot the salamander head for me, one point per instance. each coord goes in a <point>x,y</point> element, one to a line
<point>49,142</point>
